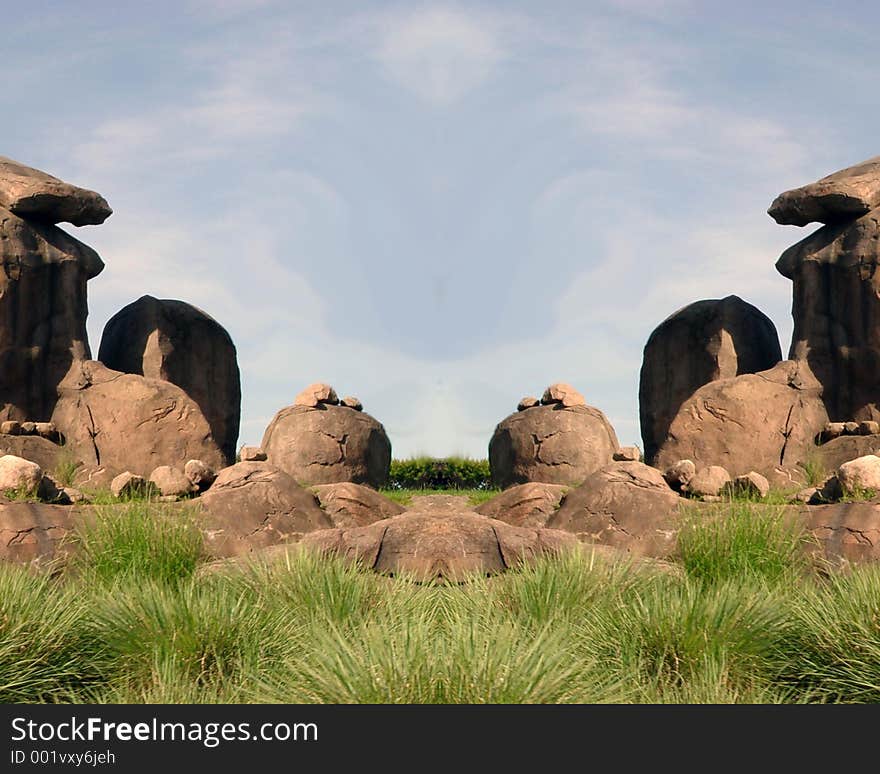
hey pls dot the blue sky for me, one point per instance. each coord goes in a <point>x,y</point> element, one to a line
<point>440,208</point>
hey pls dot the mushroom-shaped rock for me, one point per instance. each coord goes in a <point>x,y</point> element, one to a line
<point>130,422</point>
<point>841,196</point>
<point>35,195</point>
<point>700,343</point>
<point>325,444</point>
<point>176,342</point>
<point>626,505</point>
<point>553,444</point>
<point>252,505</point>
<point>430,547</point>
<point>524,505</point>
<point>765,422</point>
<point>355,505</point>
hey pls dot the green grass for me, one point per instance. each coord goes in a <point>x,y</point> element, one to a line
<point>404,496</point>
<point>745,619</point>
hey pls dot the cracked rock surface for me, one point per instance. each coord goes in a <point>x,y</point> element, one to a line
<point>326,444</point>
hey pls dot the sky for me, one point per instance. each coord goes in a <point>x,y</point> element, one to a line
<point>439,207</point>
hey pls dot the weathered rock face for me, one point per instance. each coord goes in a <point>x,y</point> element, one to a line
<point>626,505</point>
<point>253,505</point>
<point>429,547</point>
<point>128,422</point>
<point>19,475</point>
<point>553,444</point>
<point>844,195</point>
<point>43,313</point>
<point>703,342</point>
<point>175,341</point>
<point>836,312</point>
<point>326,444</point>
<point>32,194</point>
<point>35,533</point>
<point>525,505</point>
<point>856,475</point>
<point>833,454</point>
<point>354,505</point>
<point>764,422</point>
<point>34,448</point>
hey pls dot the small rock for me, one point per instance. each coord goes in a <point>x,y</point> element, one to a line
<point>10,428</point>
<point>563,393</point>
<point>167,498</point>
<point>73,495</point>
<point>530,401</point>
<point>708,482</point>
<point>833,430</point>
<point>19,475</point>
<point>628,454</point>
<point>860,474</point>
<point>171,482</point>
<point>128,485</point>
<point>48,430</point>
<point>200,475</point>
<point>352,402</point>
<point>251,454</point>
<point>316,393</point>
<point>851,428</point>
<point>679,475</point>
<point>869,427</point>
<point>751,483</point>
<point>28,428</point>
<point>805,495</point>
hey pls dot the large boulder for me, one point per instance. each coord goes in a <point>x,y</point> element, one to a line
<point>176,342</point>
<point>704,341</point>
<point>834,453</point>
<point>32,194</point>
<point>836,312</point>
<point>525,505</point>
<point>766,422</point>
<point>46,454</point>
<point>36,533</point>
<point>553,444</point>
<point>841,196</point>
<point>355,505</point>
<point>325,444</point>
<point>127,422</point>
<point>19,475</point>
<point>625,505</point>
<point>43,313</point>
<point>252,505</point>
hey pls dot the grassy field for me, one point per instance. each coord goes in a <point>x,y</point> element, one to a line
<point>745,619</point>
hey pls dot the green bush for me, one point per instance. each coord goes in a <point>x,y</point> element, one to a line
<point>436,473</point>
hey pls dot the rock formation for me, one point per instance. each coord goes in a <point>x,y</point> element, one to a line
<point>327,443</point>
<point>525,505</point>
<point>552,443</point>
<point>704,341</point>
<point>354,505</point>
<point>176,342</point>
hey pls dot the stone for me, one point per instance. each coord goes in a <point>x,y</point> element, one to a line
<point>355,505</point>
<point>763,422</point>
<point>628,454</point>
<point>828,491</point>
<point>805,495</point>
<point>171,482</point>
<point>453,547</point>
<point>28,428</point>
<point>841,196</point>
<point>253,505</point>
<point>48,431</point>
<point>352,402</point>
<point>552,444</point>
<point>527,402</point>
<point>94,478</point>
<point>51,491</point>
<point>860,474</point>
<point>625,505</point>
<point>19,475</point>
<point>679,474</point>
<point>563,394</point>
<point>524,505</point>
<point>251,454</point>
<point>831,455</point>
<point>709,481</point>
<point>845,533</point>
<point>700,343</point>
<point>851,428</point>
<point>869,427</point>
<point>752,484</point>
<point>46,454</point>
<point>178,343</point>
<point>36,534</point>
<point>326,444</point>
<point>836,311</point>
<point>316,394</point>
<point>38,196</point>
<point>10,428</point>
<point>43,311</point>
<point>128,422</point>
<point>200,475</point>
<point>833,430</point>
<point>127,485</point>
<point>74,496</point>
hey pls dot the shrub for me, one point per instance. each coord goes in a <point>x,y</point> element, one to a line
<point>435,473</point>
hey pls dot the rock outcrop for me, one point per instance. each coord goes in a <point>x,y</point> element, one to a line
<point>525,505</point>
<point>552,443</point>
<point>355,505</point>
<point>176,342</point>
<point>327,443</point>
<point>701,343</point>
<point>766,422</point>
